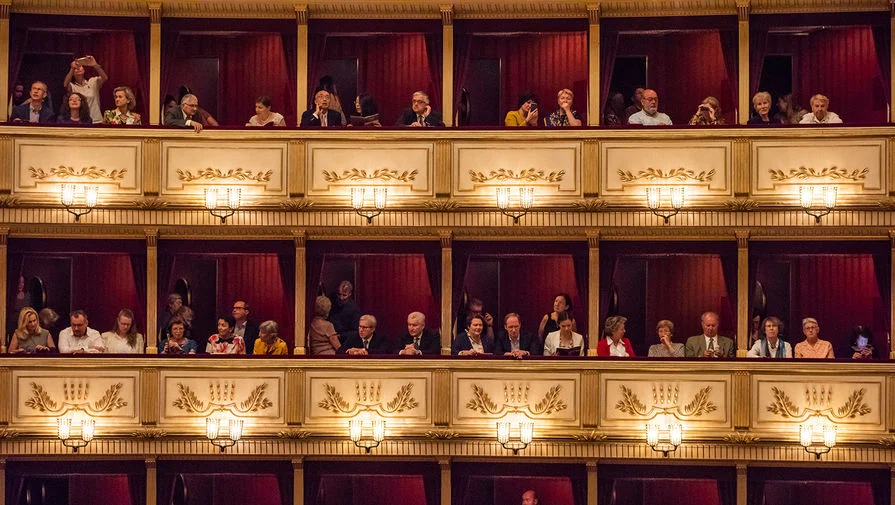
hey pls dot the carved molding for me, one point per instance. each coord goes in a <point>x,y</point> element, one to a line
<point>222,396</point>
<point>591,205</point>
<point>8,433</point>
<point>63,172</point>
<point>75,397</point>
<point>593,13</point>
<point>742,237</point>
<point>150,204</point>
<point>441,435</point>
<point>296,204</point>
<point>666,400</point>
<point>446,238</point>
<point>382,174</point>
<point>590,436</point>
<point>828,173</point>
<point>441,205</point>
<point>294,434</point>
<point>515,399</point>
<point>741,205</point>
<point>817,402</point>
<point>447,14</point>
<point>675,174</point>
<point>368,397</point>
<point>301,14</point>
<point>216,174</point>
<point>149,434</point>
<point>509,175</point>
<point>741,437</point>
<point>155,12</point>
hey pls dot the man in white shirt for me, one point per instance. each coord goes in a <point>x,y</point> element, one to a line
<point>79,338</point>
<point>649,115</point>
<point>819,113</point>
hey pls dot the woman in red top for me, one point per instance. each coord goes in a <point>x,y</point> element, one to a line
<point>614,342</point>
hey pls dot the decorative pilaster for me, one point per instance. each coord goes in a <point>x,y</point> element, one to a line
<point>441,389</point>
<point>443,153</point>
<point>3,481</point>
<point>301,64</point>
<point>149,396</point>
<point>297,163</point>
<point>742,160</point>
<point>7,164</point>
<point>447,64</point>
<point>742,398</point>
<point>745,98</point>
<point>743,320</point>
<point>590,170</point>
<point>151,480</point>
<point>155,62</point>
<point>447,292</point>
<point>593,291</point>
<point>152,166</point>
<point>4,235</point>
<point>151,290</point>
<point>890,391</point>
<point>4,56</point>
<point>891,287</point>
<point>295,387</point>
<point>5,392</point>
<point>592,482</point>
<point>593,65</point>
<point>298,481</point>
<point>300,237</point>
<point>444,465</point>
<point>742,484</point>
<point>590,407</point>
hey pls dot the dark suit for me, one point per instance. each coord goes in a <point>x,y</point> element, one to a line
<point>333,118</point>
<point>408,117</point>
<point>462,343</point>
<point>250,336</point>
<point>377,345</point>
<point>175,117</point>
<point>430,342</point>
<point>696,347</point>
<point>526,343</point>
<point>23,112</point>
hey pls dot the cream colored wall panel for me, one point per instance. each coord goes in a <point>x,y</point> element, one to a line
<point>482,398</point>
<point>782,402</point>
<point>698,401</point>
<point>703,167</point>
<point>406,168</point>
<point>857,167</point>
<point>114,165</point>
<point>259,168</point>
<point>42,397</point>
<point>189,397</point>
<point>552,168</point>
<point>401,398</point>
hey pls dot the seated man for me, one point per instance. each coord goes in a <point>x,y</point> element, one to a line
<point>185,115</point>
<point>530,497</point>
<point>321,115</point>
<point>819,113</point>
<point>512,342</point>
<point>365,341</point>
<point>420,113</point>
<point>244,327</point>
<point>710,344</point>
<point>649,115</point>
<point>35,111</point>
<point>79,338</point>
<point>419,339</point>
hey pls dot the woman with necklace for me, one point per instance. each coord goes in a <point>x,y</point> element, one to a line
<point>771,346</point>
<point>224,341</point>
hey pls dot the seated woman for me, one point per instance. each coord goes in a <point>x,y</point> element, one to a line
<point>563,115</point>
<point>124,338</point>
<point>614,342</point>
<point>564,342</point>
<point>367,114</point>
<point>322,335</point>
<point>812,346</point>
<point>177,342</point>
<point>615,110</point>
<point>666,348</point>
<point>708,113</point>
<point>550,322</point>
<point>29,337</point>
<point>123,113</point>
<point>269,341</point>
<point>761,102</point>
<point>473,342</point>
<point>526,114</point>
<point>790,111</point>
<point>771,346</point>
<point>74,110</point>
<point>264,116</point>
<point>175,310</point>
<point>861,346</point>
<point>225,341</point>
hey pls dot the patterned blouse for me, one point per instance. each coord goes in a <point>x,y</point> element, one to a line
<point>218,346</point>
<point>559,118</point>
<point>114,116</point>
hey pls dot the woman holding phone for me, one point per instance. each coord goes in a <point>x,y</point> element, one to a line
<point>526,115</point>
<point>77,82</point>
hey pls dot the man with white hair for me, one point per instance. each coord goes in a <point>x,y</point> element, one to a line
<point>420,113</point>
<point>649,114</point>
<point>365,341</point>
<point>185,116</point>
<point>819,113</point>
<point>419,339</point>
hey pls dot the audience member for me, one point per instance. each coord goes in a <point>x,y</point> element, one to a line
<point>366,112</point>
<point>530,497</point>
<point>475,307</point>
<point>175,310</point>
<point>35,111</point>
<point>473,342</point>
<point>345,314</point>
<point>124,338</point>
<point>636,105</point>
<point>861,344</point>
<point>756,332</point>
<point>269,341</point>
<point>48,318</point>
<point>225,341</point>
<point>819,113</point>
<point>123,113</point>
<point>79,338</point>
<point>512,342</point>
<point>335,102</point>
<point>76,82</point>
<point>550,322</point>
<point>17,97</point>
<point>708,113</point>
<point>614,342</point>
<point>321,115</point>
<point>649,114</point>
<point>709,344</point>
<point>761,102</point>
<point>177,341</point>
<point>29,337</point>
<point>322,336</point>
<point>185,115</point>
<point>168,105</point>
<point>771,346</point>
<point>666,348</point>
<point>365,341</point>
<point>564,342</point>
<point>420,113</point>
<point>526,114</point>
<point>244,328</point>
<point>563,115</point>
<point>812,346</point>
<point>264,116</point>
<point>419,339</point>
<point>201,114</point>
<point>74,110</point>
<point>614,114</point>
<point>790,112</point>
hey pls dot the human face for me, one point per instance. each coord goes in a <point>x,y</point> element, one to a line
<point>414,327</point>
<point>121,99</point>
<point>190,107</point>
<point>476,327</point>
<point>176,332</point>
<point>762,107</point>
<point>266,337</point>
<point>819,108</point>
<point>240,311</point>
<point>419,103</point>
<point>710,325</point>
<point>513,327</point>
<point>528,498</point>
<point>261,109</point>
<point>565,328</point>
<point>811,331</point>
<point>526,107</point>
<point>31,323</point>
<point>171,105</point>
<point>321,99</point>
<point>19,91</point>
<point>772,331</point>
<point>664,333</point>
<point>345,291</point>
<point>559,304</point>
<point>638,95</point>
<point>175,305</point>
<point>650,102</point>
<point>564,99</point>
<point>357,105</point>
<point>618,333</point>
<point>124,324</point>
<point>74,102</point>
<point>224,329</point>
<point>38,91</point>
<point>365,329</point>
<point>78,326</point>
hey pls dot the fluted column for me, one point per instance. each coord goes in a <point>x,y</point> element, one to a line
<point>301,65</point>
<point>744,102</point>
<point>447,291</point>
<point>593,65</point>
<point>301,281</point>
<point>592,489</point>
<point>151,480</point>
<point>298,481</point>
<point>447,64</point>
<point>151,291</point>
<point>743,319</point>
<point>593,291</point>
<point>4,234</point>
<point>4,57</point>
<point>155,63</point>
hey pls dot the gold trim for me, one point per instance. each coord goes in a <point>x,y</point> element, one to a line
<point>382,174</point>
<point>216,174</point>
<point>516,400</point>
<point>591,205</point>
<point>296,204</point>
<point>590,436</point>
<point>441,205</point>
<point>294,434</point>
<point>525,175</point>
<point>831,173</point>
<point>666,401</point>
<point>149,434</point>
<point>441,435</point>
<point>888,442</point>
<point>149,382</point>
<point>818,401</point>
<point>368,397</point>
<point>740,437</point>
<point>63,172</point>
<point>8,433</point>
<point>150,204</point>
<point>656,174</point>
<point>222,397</point>
<point>741,205</point>
<point>75,397</point>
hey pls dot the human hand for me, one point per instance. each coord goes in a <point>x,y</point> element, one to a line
<point>416,124</point>
<point>409,349</point>
<point>532,117</point>
<point>519,354</point>
<point>78,351</point>
<point>489,319</point>
<point>357,351</point>
<point>470,352</point>
<point>74,64</point>
<point>41,348</point>
<point>428,111</point>
<point>91,61</point>
<point>196,126</point>
<point>708,353</point>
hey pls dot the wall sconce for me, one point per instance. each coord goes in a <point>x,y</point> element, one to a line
<point>232,431</point>
<point>69,192</point>
<point>664,438</point>
<point>358,202</point>
<point>526,199</point>
<point>505,435</point>
<point>828,196</point>
<point>234,199</point>
<point>356,431</point>
<point>654,200</point>
<point>80,437</point>
<point>817,429</point>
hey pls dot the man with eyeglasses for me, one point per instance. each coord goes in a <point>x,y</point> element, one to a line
<point>649,115</point>
<point>36,110</point>
<point>420,113</point>
<point>185,116</point>
<point>244,328</point>
<point>366,341</point>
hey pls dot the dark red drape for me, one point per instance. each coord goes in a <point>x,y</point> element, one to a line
<point>105,489</point>
<point>608,51</point>
<point>258,280</point>
<point>817,493</point>
<point>758,47</point>
<point>370,490</point>
<point>290,52</point>
<point>118,289</point>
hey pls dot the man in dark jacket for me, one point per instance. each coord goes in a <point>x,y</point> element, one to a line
<point>419,339</point>
<point>420,113</point>
<point>512,342</point>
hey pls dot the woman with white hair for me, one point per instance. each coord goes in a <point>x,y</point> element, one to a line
<point>812,346</point>
<point>322,336</point>
<point>761,102</point>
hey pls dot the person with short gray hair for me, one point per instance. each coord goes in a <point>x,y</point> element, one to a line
<point>366,340</point>
<point>419,340</point>
<point>269,341</point>
<point>820,113</point>
<point>420,113</point>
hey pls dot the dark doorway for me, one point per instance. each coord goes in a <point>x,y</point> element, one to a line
<point>49,68</point>
<point>776,77</point>
<point>344,74</point>
<point>203,77</point>
<point>628,73</point>
<point>484,92</point>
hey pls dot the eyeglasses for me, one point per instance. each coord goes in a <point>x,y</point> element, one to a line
<point>365,327</point>
<point>420,101</point>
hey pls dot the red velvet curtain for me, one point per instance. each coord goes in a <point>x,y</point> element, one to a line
<point>105,489</point>
<point>371,490</point>
<point>116,291</point>
<point>508,490</point>
<point>608,51</point>
<point>817,493</point>
<point>257,279</point>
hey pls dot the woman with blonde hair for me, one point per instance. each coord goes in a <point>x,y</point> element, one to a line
<point>29,337</point>
<point>124,337</point>
<point>563,115</point>
<point>761,102</point>
<point>123,113</point>
<point>708,113</point>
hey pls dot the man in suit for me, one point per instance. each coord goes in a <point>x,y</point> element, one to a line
<point>321,115</point>
<point>365,341</point>
<point>35,111</point>
<point>710,344</point>
<point>244,328</point>
<point>419,339</point>
<point>512,342</point>
<point>185,115</point>
<point>420,113</point>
